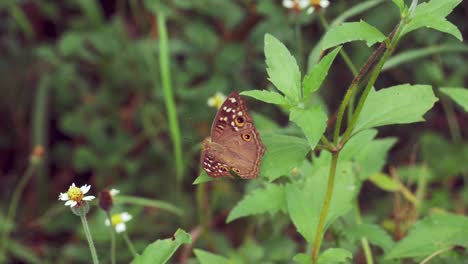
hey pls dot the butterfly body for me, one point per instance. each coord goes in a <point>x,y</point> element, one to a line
<point>235,144</point>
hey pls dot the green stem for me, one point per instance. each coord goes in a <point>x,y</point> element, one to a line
<point>169,96</point>
<point>298,35</point>
<point>130,244</point>
<point>451,119</point>
<point>326,205</point>
<point>14,205</point>
<point>89,238</point>
<point>112,235</point>
<point>364,242</point>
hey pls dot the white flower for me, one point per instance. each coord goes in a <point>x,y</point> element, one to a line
<point>296,4</point>
<point>216,100</point>
<point>118,221</point>
<point>114,192</point>
<point>317,4</point>
<point>75,195</point>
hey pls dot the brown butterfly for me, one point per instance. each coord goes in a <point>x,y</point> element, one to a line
<point>235,146</point>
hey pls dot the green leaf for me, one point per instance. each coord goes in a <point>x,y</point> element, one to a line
<point>304,204</point>
<point>374,233</point>
<point>302,258</point>
<point>352,31</point>
<point>432,15</point>
<point>271,199</point>
<point>400,4</point>
<point>203,177</point>
<point>433,233</point>
<point>276,147</point>
<point>267,96</point>
<point>161,251</point>
<point>384,182</point>
<point>282,68</point>
<point>401,104</point>
<point>312,121</point>
<point>318,73</point>
<point>206,257</point>
<point>458,94</point>
<point>334,255</point>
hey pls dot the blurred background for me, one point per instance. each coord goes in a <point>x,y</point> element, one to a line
<point>82,79</point>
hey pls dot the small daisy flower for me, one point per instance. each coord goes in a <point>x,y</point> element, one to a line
<point>118,221</point>
<point>216,100</point>
<point>317,4</point>
<point>296,5</point>
<point>75,196</point>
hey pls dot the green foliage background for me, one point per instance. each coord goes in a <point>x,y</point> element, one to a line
<point>83,79</point>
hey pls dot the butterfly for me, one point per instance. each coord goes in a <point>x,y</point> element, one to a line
<point>235,147</point>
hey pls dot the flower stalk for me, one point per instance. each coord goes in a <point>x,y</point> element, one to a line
<point>87,232</point>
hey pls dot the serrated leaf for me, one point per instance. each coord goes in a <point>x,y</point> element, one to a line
<point>206,257</point>
<point>318,73</point>
<point>352,31</point>
<point>282,68</point>
<point>384,182</point>
<point>334,255</point>
<point>401,104</point>
<point>374,233</point>
<point>432,14</point>
<point>160,251</point>
<point>431,234</point>
<point>276,147</point>
<point>304,204</point>
<point>458,94</point>
<point>312,121</point>
<point>267,96</point>
<point>271,199</point>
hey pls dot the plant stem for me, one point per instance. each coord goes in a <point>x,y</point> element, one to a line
<point>364,242</point>
<point>324,210</point>
<point>169,96</point>
<point>112,235</point>
<point>426,260</point>
<point>89,238</point>
<point>130,245</point>
<point>14,206</point>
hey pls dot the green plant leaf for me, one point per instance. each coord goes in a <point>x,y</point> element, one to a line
<point>267,96</point>
<point>206,257</point>
<point>334,255</point>
<point>400,4</point>
<point>432,15</point>
<point>318,73</point>
<point>384,182</point>
<point>282,68</point>
<point>433,233</point>
<point>302,258</point>
<point>304,204</point>
<point>312,121</point>
<point>275,163</point>
<point>161,251</point>
<point>351,31</point>
<point>270,199</point>
<point>374,233</point>
<point>458,94</point>
<point>203,177</point>
<point>401,104</point>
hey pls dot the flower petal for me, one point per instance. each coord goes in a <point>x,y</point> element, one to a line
<point>114,192</point>
<point>126,216</point>
<point>119,228</point>
<point>107,222</point>
<point>73,185</point>
<point>303,4</point>
<point>310,10</point>
<point>63,197</point>
<point>88,198</point>
<point>324,3</point>
<point>288,3</point>
<point>85,188</point>
<point>69,202</point>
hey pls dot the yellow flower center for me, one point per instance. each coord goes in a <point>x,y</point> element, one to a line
<point>218,101</point>
<point>75,194</point>
<point>116,219</point>
<point>315,3</point>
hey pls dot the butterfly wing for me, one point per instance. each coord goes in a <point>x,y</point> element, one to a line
<point>235,143</point>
